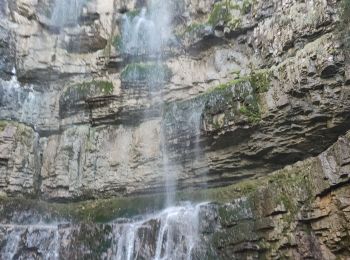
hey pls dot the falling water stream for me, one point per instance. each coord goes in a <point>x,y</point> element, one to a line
<point>66,12</point>
<point>145,37</point>
<point>171,233</point>
<point>23,100</point>
<point>176,233</point>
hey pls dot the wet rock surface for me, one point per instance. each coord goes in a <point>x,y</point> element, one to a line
<point>304,215</point>
<point>246,89</point>
<point>291,219</point>
<point>79,94</point>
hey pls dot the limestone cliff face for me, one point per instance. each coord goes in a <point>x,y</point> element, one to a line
<point>249,88</point>
<point>304,213</point>
<point>270,87</point>
<point>299,212</point>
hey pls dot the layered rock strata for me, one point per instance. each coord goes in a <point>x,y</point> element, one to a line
<point>304,214</point>
<point>263,84</point>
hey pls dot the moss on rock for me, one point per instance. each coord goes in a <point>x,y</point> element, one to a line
<point>260,80</point>
<point>100,211</point>
<point>252,112</point>
<point>146,72</point>
<point>227,103</point>
<point>3,125</point>
<point>222,12</point>
<point>92,87</point>
<point>82,91</point>
<point>246,6</point>
<point>226,13</point>
<point>118,42</point>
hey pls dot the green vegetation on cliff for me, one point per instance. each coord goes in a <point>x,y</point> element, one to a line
<point>24,134</point>
<point>224,13</point>
<point>146,72</point>
<point>82,91</point>
<point>260,80</point>
<point>100,211</point>
<point>246,6</point>
<point>118,42</point>
<point>104,87</point>
<point>88,88</point>
<point>3,125</point>
<point>286,185</point>
<point>228,13</point>
<point>133,13</point>
<point>227,102</point>
<point>252,112</point>
<point>194,29</point>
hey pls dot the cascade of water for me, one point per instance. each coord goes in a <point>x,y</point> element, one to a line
<point>183,127</point>
<point>145,37</point>
<point>23,99</point>
<point>148,32</point>
<point>172,234</point>
<point>195,122</point>
<point>10,248</point>
<point>66,12</point>
<point>44,238</point>
<point>3,6</point>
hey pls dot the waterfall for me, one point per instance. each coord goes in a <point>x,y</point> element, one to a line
<point>183,127</point>
<point>173,233</point>
<point>66,12</point>
<point>24,101</point>
<point>147,32</point>
<point>145,35</point>
<point>43,240</point>
<point>195,122</point>
<point>170,234</point>
<point>3,6</point>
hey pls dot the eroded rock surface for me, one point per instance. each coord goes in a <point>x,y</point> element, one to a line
<point>304,214</point>
<point>69,83</point>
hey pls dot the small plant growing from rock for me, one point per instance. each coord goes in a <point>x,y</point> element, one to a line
<point>118,42</point>
<point>3,125</point>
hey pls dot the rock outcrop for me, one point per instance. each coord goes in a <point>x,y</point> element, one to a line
<point>304,214</point>
<point>249,88</point>
<point>250,93</point>
<point>296,91</point>
<point>19,174</point>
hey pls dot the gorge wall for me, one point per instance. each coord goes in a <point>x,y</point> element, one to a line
<point>254,108</point>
